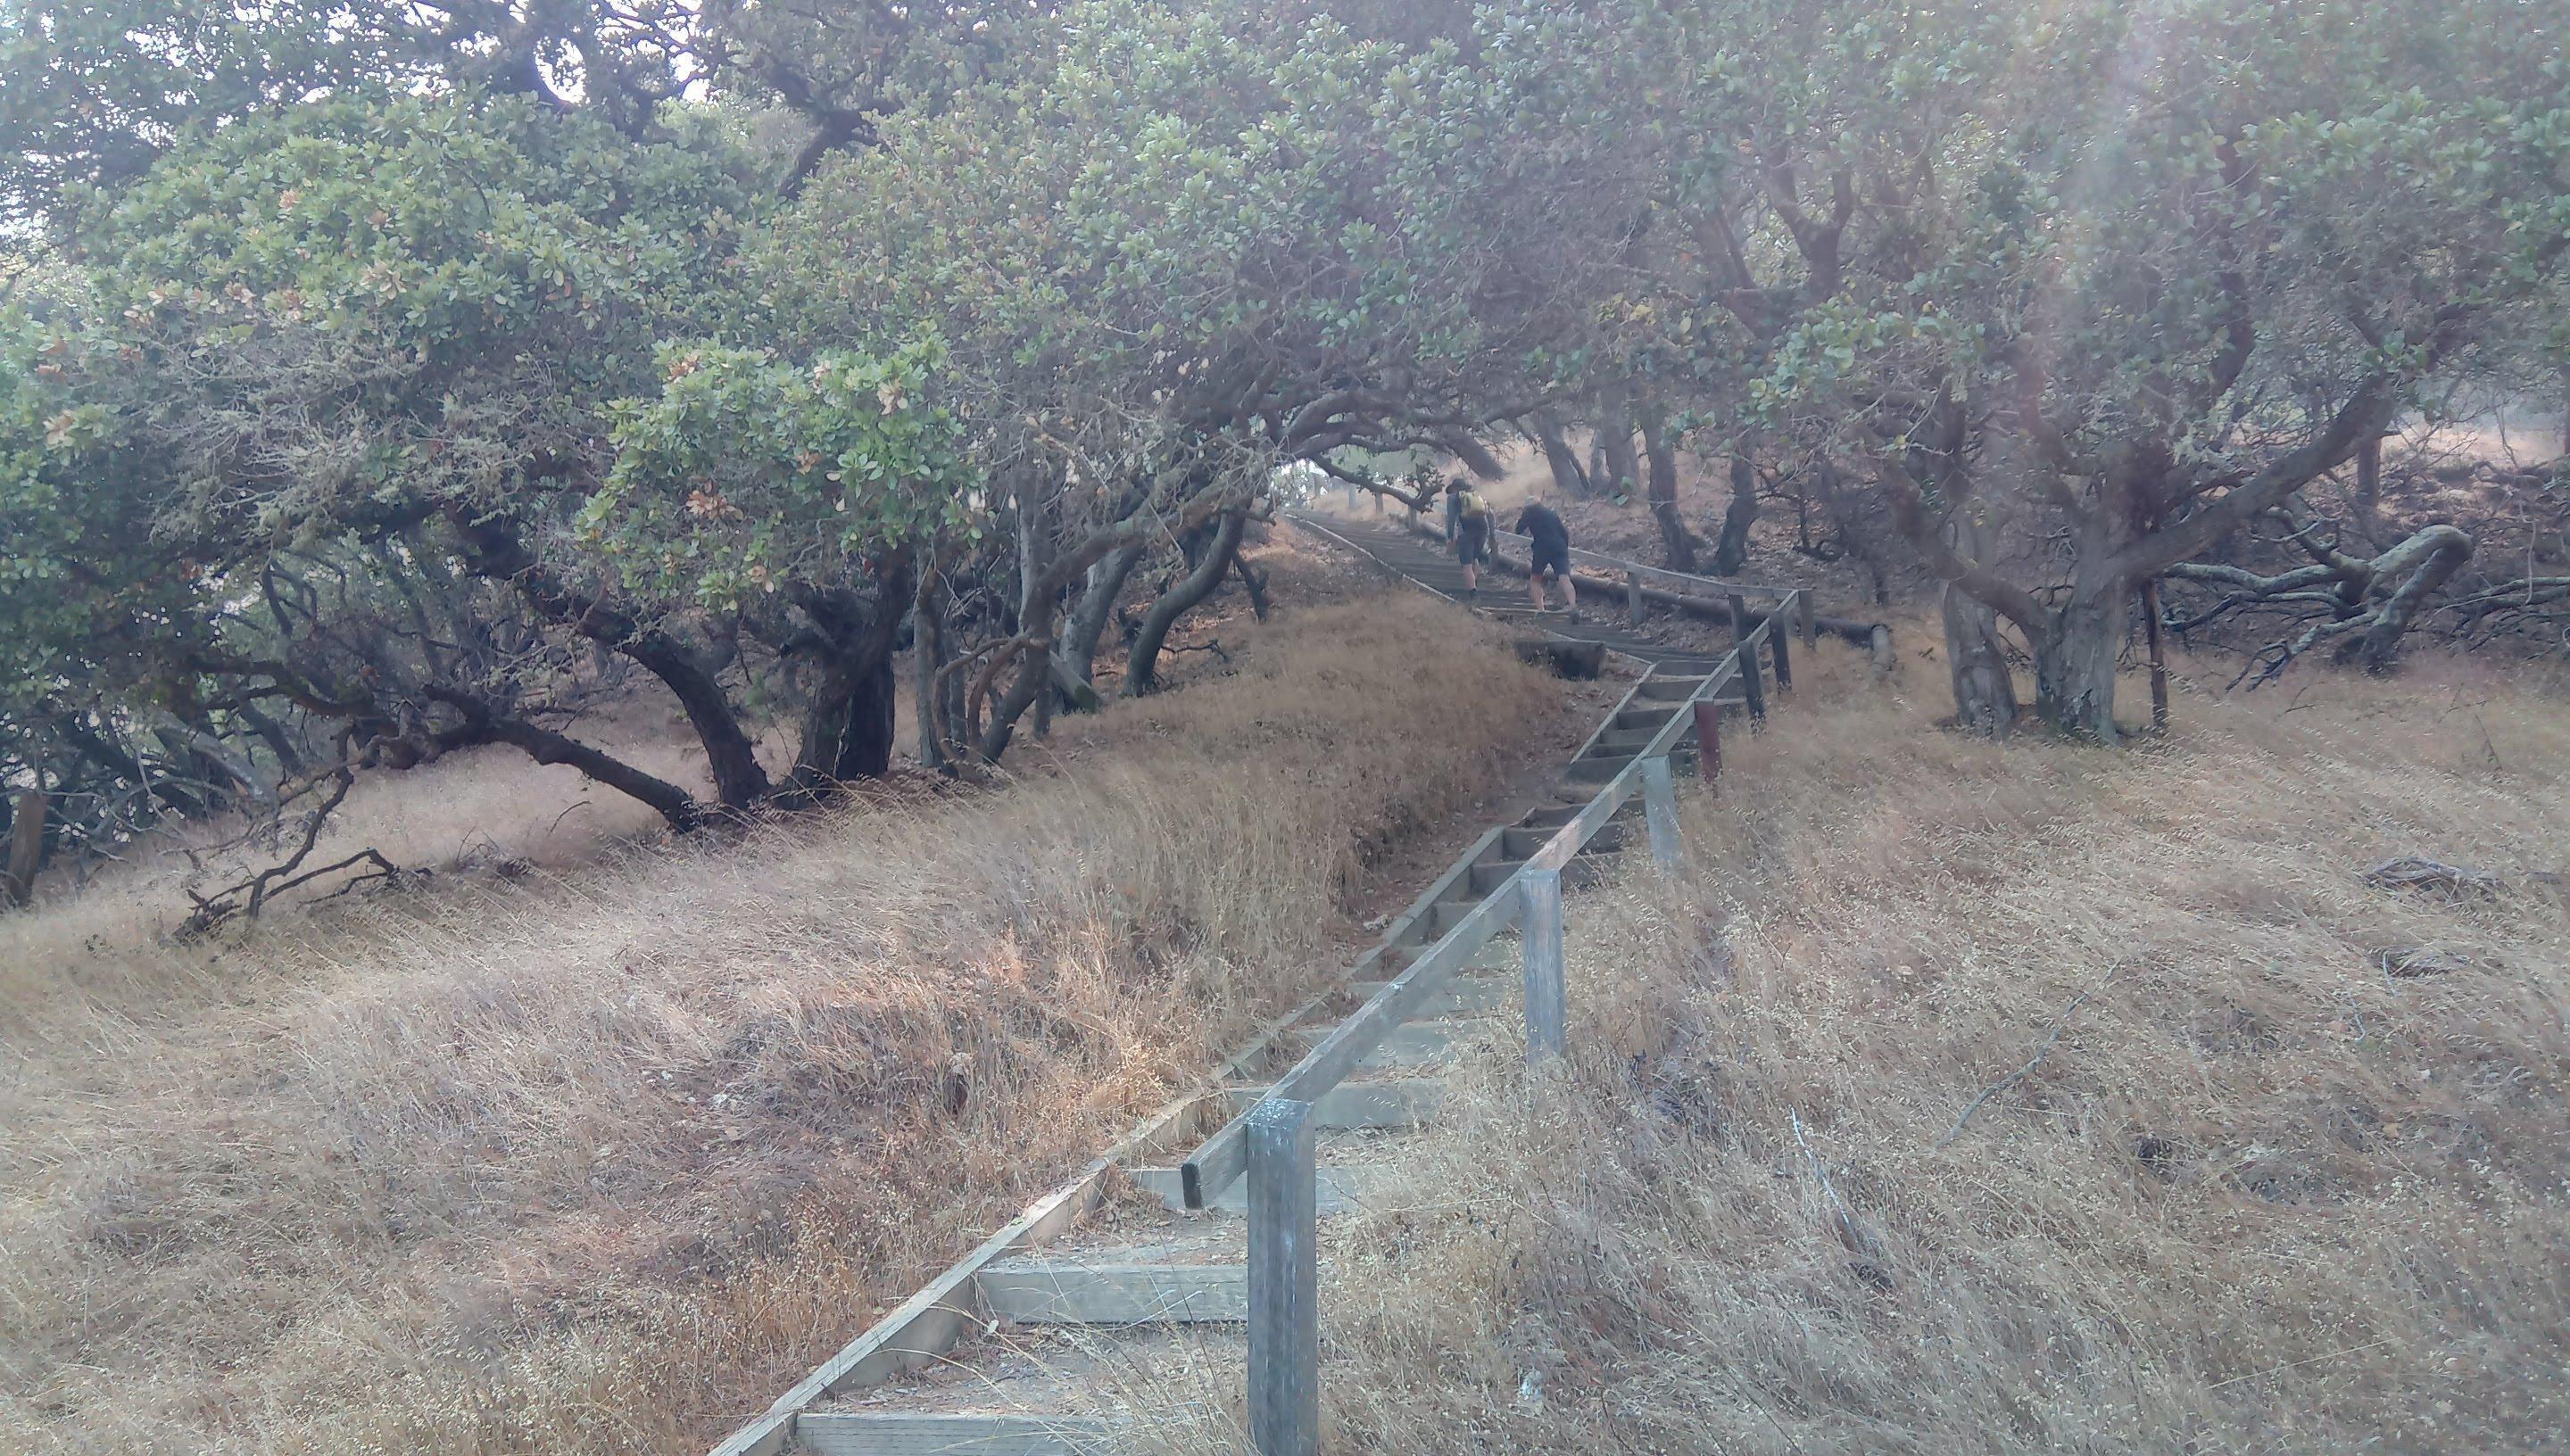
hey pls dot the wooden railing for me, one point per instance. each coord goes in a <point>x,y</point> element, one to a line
<point>1686,582</point>
<point>1271,1141</point>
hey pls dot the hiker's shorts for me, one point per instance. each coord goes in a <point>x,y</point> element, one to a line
<point>1470,540</point>
<point>1551,561</point>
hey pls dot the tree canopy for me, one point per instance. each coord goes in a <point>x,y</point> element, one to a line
<point>397,379</point>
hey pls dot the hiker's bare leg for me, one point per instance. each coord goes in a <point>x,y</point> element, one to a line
<point>1534,589</point>
<point>1570,594</point>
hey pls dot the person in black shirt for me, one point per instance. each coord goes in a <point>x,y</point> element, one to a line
<point>1550,555</point>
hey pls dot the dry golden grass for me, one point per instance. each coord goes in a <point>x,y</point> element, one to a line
<point>2259,1196</point>
<point>604,1161</point>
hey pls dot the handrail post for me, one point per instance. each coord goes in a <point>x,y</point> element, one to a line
<point>1753,685</point>
<point>1708,739</point>
<point>1661,811</point>
<point>1811,622</point>
<point>1778,638</point>
<point>1284,1282</point>
<point>1634,597</point>
<point>1546,999</point>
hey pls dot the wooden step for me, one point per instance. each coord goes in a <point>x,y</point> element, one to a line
<point>1108,1291</point>
<point>1669,689</point>
<point>1411,1044</point>
<point>1596,768</point>
<point>868,1433</point>
<point>1338,1189</point>
<point>1578,660</point>
<point>1463,996</point>
<point>1517,844</point>
<point>1583,871</point>
<point>1653,717</point>
<point>1392,1103</point>
<point>1498,954</point>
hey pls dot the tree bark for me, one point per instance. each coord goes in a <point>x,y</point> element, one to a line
<point>1141,668</point>
<point>2431,557</point>
<point>1615,444</point>
<point>289,759</point>
<point>929,652</point>
<point>1731,547</point>
<point>1976,659</point>
<point>492,549</point>
<point>1076,655</point>
<point>2075,662</point>
<point>1677,544</point>
<point>483,724</point>
<point>2368,490</point>
<point>26,848</point>
<point>848,720</point>
<point>1559,458</point>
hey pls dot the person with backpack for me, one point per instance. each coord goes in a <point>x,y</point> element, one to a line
<point>1468,526</point>
<point>1549,558</point>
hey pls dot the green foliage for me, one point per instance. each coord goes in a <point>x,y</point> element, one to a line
<point>83,588</point>
<point>748,472</point>
<point>367,308</point>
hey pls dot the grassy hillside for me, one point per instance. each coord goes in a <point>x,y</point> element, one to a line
<point>2255,1193</point>
<point>603,1160</point>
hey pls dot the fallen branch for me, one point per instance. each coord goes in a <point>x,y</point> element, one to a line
<point>2060,1025</point>
<point>1869,1265</point>
<point>248,897</point>
<point>2408,871</point>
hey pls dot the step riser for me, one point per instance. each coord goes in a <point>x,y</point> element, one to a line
<point>1579,874</point>
<point>1465,995</point>
<point>1116,1295</point>
<point>833,1434</point>
<point>1413,1043</point>
<point>1397,1104</point>
<point>1517,844</point>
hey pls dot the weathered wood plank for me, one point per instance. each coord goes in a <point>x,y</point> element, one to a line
<point>1116,1293</point>
<point>1405,1045</point>
<point>1284,1282</point>
<point>869,1433</point>
<point>1225,1154</point>
<point>1753,682</point>
<point>1660,806</point>
<point>1341,1189</point>
<point>1547,1003</point>
<point>1400,1102</point>
<point>1222,1157</point>
<point>936,1318</point>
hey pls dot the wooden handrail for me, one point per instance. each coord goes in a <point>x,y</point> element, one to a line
<point>1224,1157</point>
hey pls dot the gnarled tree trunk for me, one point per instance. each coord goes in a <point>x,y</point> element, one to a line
<point>493,550</point>
<point>849,719</point>
<point>1976,659</point>
<point>1677,544</point>
<point>1731,547</point>
<point>1075,656</point>
<point>1621,470</point>
<point>2074,661</point>
<point>26,848</point>
<point>1141,669</point>
<point>1567,478</point>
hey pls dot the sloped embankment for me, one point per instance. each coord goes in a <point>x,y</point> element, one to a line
<point>2028,1097</point>
<point>584,1165</point>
